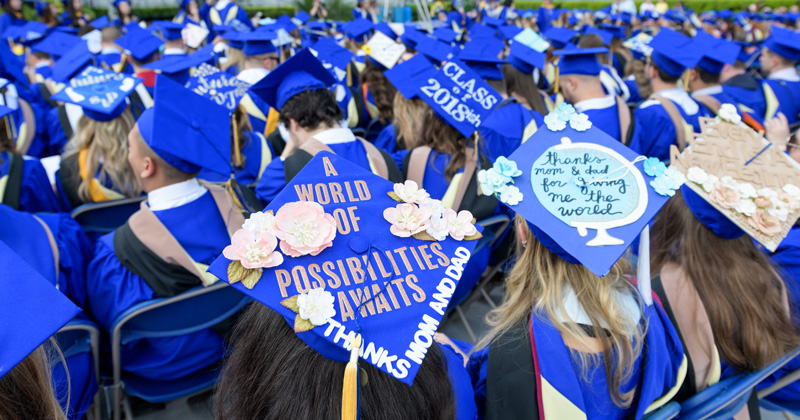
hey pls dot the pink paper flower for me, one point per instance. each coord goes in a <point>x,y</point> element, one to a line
<point>765,223</point>
<point>726,197</point>
<point>304,228</point>
<point>253,250</point>
<point>407,219</point>
<point>460,224</point>
<point>410,192</point>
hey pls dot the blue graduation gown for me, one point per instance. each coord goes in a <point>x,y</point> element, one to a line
<point>633,88</point>
<point>606,119</point>
<point>656,132</point>
<point>36,193</point>
<point>255,157</point>
<point>228,14</point>
<point>7,21</point>
<point>109,59</point>
<point>386,140</point>
<point>462,385</point>
<point>503,128</point>
<point>748,93</point>
<point>788,94</point>
<point>56,138</point>
<point>110,289</point>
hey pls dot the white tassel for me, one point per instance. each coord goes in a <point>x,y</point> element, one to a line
<point>643,270</point>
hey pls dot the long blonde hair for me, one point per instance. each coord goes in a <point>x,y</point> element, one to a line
<point>539,281</point>
<point>409,116</point>
<point>109,141</point>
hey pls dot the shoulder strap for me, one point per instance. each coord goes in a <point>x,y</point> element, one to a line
<point>63,120</point>
<point>313,146</point>
<point>294,163</point>
<point>709,102</point>
<point>53,245</point>
<point>466,176</point>
<point>676,117</point>
<point>688,388</point>
<point>46,94</point>
<point>624,120</point>
<point>360,106</point>
<point>27,129</point>
<point>13,184</point>
<point>377,163</point>
<point>511,377</point>
<point>418,161</point>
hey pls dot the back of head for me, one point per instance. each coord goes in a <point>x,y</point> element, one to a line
<point>409,117</point>
<point>444,138</point>
<point>110,34</point>
<point>26,391</point>
<point>523,85</point>
<point>272,374</point>
<point>594,41</point>
<point>311,109</point>
<point>741,291</point>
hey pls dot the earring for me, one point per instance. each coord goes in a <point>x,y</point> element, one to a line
<point>523,236</point>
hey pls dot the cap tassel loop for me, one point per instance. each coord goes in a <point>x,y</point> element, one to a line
<point>555,79</point>
<point>350,388</point>
<point>237,147</point>
<point>686,80</point>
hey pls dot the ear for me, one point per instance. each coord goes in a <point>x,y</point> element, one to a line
<point>693,75</point>
<point>294,125</point>
<point>149,167</point>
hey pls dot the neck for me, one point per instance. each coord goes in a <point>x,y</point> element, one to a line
<point>780,67</point>
<point>305,135</point>
<point>698,84</point>
<point>588,91</point>
<point>521,99</point>
<point>659,85</point>
<point>250,64</point>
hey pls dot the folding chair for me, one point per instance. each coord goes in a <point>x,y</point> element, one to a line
<point>77,337</point>
<point>725,398</point>
<point>773,406</point>
<point>667,412</point>
<point>191,311</point>
<point>106,216</point>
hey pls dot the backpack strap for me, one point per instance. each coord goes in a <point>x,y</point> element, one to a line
<point>469,170</point>
<point>11,184</point>
<point>709,102</point>
<point>63,120</point>
<point>624,120</point>
<point>417,162</point>
<point>676,117</point>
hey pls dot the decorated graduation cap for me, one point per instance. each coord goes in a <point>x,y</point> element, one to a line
<point>737,182</point>
<point>524,58</point>
<point>436,51</point>
<point>482,56</point>
<point>258,43</point>
<point>716,52</point>
<point>639,45</point>
<point>409,75</point>
<point>383,50</point>
<point>531,39</point>
<point>298,74</point>
<point>55,44</point>
<point>75,60</point>
<point>101,93</point>
<point>218,86</point>
<point>672,52</point>
<point>140,44</point>
<point>354,283</point>
<point>188,133</point>
<point>784,42</point>
<point>579,61</point>
<point>585,195</point>
<point>358,30</point>
<point>385,29</point>
<point>32,309</point>
<point>171,31</point>
<point>458,96</point>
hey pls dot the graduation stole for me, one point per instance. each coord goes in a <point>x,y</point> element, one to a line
<point>97,191</point>
<point>230,14</point>
<point>369,102</point>
<point>559,392</point>
<point>266,156</point>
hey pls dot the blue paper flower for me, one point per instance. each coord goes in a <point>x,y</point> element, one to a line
<point>663,186</point>
<point>654,167</point>
<point>554,122</point>
<point>491,181</point>
<point>506,168</point>
<point>580,122</point>
<point>510,195</point>
<point>564,111</point>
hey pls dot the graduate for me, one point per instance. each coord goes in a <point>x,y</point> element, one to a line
<point>12,15</point>
<point>779,57</point>
<point>298,89</point>
<point>609,75</point>
<point>189,13</point>
<point>173,39</point>
<point>168,146</point>
<point>110,56</point>
<point>339,62</point>
<point>524,69</point>
<point>261,57</point>
<point>124,13</point>
<point>374,327</point>
<point>95,168</point>
<point>574,337</point>
<point>179,67</point>
<point>376,93</point>
<point>73,15</point>
<point>223,12</point>
<point>141,48</point>
<point>409,109</point>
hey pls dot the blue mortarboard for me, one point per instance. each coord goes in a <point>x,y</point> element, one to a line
<point>481,31</point>
<point>56,43</point>
<point>743,55</point>
<point>184,4</point>
<point>177,67</point>
<point>318,25</point>
<point>101,22</point>
<point>358,30</point>
<point>302,16</point>
<point>493,22</point>
<point>258,43</point>
<point>579,61</point>
<point>458,96</point>
<point>510,31</point>
<point>385,29</point>
<point>709,216</point>
<point>5,111</point>
<point>369,274</point>
<point>17,34</point>
<point>235,39</point>
<point>716,52</point>
<point>101,93</point>
<point>673,52</point>
<point>32,309</point>
<point>604,35</point>
<point>784,42</point>
<point>482,57</point>
<point>287,23</point>
<point>436,51</point>
<point>66,29</point>
<point>524,58</point>
<point>410,74</point>
<point>131,25</point>
<point>140,44</point>
<point>639,45</point>
<point>582,194</point>
<point>220,87</point>
<point>411,36</point>
<point>171,31</point>
<point>559,37</point>
<point>615,31</point>
<point>333,57</point>
<point>71,63</point>
<point>725,14</point>
<point>117,2</point>
<point>188,133</point>
<point>299,73</point>
<point>446,35</point>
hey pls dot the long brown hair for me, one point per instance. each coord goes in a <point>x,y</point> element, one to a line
<point>443,138</point>
<point>26,391</point>
<point>741,291</point>
<point>382,91</point>
<point>523,85</point>
<point>538,281</point>
<point>272,374</point>
<point>409,116</point>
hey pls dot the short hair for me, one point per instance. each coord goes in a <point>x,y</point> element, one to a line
<point>41,55</point>
<point>311,108</point>
<point>707,77</point>
<point>664,76</point>
<point>110,34</point>
<point>169,172</point>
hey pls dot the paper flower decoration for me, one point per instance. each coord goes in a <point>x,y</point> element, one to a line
<point>580,122</point>
<point>304,228</point>
<point>429,220</point>
<point>409,192</point>
<point>511,195</point>
<point>506,168</point>
<point>667,182</point>
<point>565,113</point>
<point>407,219</point>
<point>654,167</point>
<point>491,181</point>
<point>260,222</point>
<point>461,225</point>
<point>554,123</point>
<point>728,112</point>
<point>495,180</point>
<point>313,309</point>
<point>249,254</point>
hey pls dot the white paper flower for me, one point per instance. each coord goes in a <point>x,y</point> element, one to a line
<point>746,207</point>
<point>460,224</point>
<point>780,210</point>
<point>792,190</point>
<point>768,192</point>
<point>710,183</point>
<point>554,123</point>
<point>729,182</point>
<point>728,112</point>
<point>410,192</point>
<point>675,176</point>
<point>316,306</point>
<point>260,222</point>
<point>697,175</point>
<point>510,195</point>
<point>746,190</point>
<point>437,209</point>
<point>437,225</point>
<point>491,181</point>
<point>580,122</point>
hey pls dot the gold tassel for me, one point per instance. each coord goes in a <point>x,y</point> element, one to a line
<point>8,129</point>
<point>555,79</point>
<point>686,80</point>
<point>350,389</point>
<point>349,76</point>
<point>237,148</point>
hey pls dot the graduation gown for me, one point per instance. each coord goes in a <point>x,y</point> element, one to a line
<point>8,20</point>
<point>462,385</point>
<point>529,373</point>
<point>72,172</point>
<point>657,132</point>
<point>749,93</point>
<point>231,12</point>
<point>112,286</point>
<point>24,185</point>
<point>605,113</point>
<point>507,127</point>
<point>788,96</point>
<point>612,83</point>
<point>257,152</point>
<point>387,139</point>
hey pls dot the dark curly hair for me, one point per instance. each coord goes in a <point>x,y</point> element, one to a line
<point>311,108</point>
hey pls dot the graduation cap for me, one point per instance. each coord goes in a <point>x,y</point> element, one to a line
<point>318,26</point>
<point>234,39</point>
<point>218,86</point>
<point>381,282</point>
<point>559,37</point>
<point>411,36</point>
<point>436,51</point>
<point>140,44</point>
<point>493,22</point>
<point>579,61</point>
<point>117,2</point>
<point>458,96</point>
<point>598,197</point>
<point>66,29</point>
<point>510,31</point>
<point>385,29</point>
<point>615,31</point>
<point>358,30</point>
<point>530,38</point>
<point>287,23</point>
<point>446,35</point>
<point>75,60</point>
<point>184,4</point>
<point>672,52</point>
<point>333,57</point>
<point>784,42</point>
<point>604,35</point>
<point>189,134</point>
<point>298,74</point>
<point>55,44</point>
<point>177,66</point>
<point>409,75</point>
<point>101,93</point>
<point>302,16</point>
<point>258,43</point>
<point>32,309</point>
<point>383,50</point>
<point>639,45</point>
<point>481,31</point>
<point>716,52</point>
<point>482,56</point>
<point>524,58</point>
<point>171,31</point>
<point>101,22</point>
